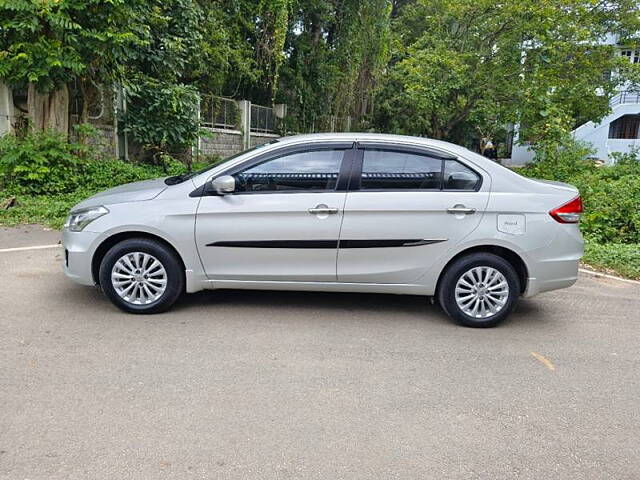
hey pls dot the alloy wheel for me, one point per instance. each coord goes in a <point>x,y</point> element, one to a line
<point>139,278</point>
<point>481,292</point>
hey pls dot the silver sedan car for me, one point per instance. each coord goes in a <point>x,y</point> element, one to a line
<point>333,212</point>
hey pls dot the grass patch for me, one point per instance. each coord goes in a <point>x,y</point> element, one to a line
<point>620,258</point>
<point>50,211</point>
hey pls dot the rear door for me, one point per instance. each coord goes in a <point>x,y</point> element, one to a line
<point>283,221</point>
<point>406,207</point>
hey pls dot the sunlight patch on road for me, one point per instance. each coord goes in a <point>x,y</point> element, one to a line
<point>543,360</point>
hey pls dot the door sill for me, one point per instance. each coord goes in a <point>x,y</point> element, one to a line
<point>396,288</point>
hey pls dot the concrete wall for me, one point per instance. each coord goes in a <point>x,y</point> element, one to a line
<point>105,140</point>
<point>229,142</point>
<point>221,142</point>
<point>597,134</point>
<point>520,155</point>
<point>261,138</point>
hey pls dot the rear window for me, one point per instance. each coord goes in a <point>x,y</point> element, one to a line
<point>400,170</point>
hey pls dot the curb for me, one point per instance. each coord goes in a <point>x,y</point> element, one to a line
<point>606,275</point>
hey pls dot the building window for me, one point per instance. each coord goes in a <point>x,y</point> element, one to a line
<point>632,55</point>
<point>625,127</point>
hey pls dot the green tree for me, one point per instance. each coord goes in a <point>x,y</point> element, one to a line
<point>45,44</point>
<point>335,54</point>
<point>185,51</point>
<point>468,66</point>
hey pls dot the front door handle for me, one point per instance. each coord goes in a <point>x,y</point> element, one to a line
<point>322,209</point>
<point>458,209</point>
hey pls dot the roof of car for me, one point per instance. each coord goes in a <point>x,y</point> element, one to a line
<point>499,173</point>
<point>381,137</point>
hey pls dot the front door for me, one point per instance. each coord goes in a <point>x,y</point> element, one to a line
<point>409,209</point>
<point>281,224</point>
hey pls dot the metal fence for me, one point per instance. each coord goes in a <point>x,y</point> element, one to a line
<point>219,112</point>
<point>263,119</point>
<point>625,97</point>
<point>225,113</point>
<point>330,123</point>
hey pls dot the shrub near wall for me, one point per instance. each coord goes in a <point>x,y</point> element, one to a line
<point>44,163</point>
<point>40,163</point>
<point>48,175</point>
<point>611,194</point>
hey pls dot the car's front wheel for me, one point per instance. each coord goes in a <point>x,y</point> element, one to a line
<point>141,275</point>
<point>479,290</point>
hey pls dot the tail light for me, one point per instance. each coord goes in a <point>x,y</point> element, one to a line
<point>568,212</point>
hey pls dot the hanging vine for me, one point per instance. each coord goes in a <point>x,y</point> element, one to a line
<point>272,23</point>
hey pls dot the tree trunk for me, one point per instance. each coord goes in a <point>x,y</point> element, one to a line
<point>49,110</point>
<point>6,109</point>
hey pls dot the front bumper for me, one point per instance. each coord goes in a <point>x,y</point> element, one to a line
<point>79,249</point>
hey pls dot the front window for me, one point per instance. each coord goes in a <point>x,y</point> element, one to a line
<point>300,171</point>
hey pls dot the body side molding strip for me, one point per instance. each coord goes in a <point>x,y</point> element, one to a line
<point>323,244</point>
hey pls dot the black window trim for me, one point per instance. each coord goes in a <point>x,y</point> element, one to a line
<point>356,171</point>
<point>342,182</point>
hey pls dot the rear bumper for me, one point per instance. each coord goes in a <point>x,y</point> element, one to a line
<point>79,249</point>
<point>556,265</point>
<point>560,274</point>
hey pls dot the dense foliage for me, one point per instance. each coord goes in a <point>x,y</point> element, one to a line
<point>44,163</point>
<point>466,68</point>
<point>451,69</point>
<point>163,118</point>
<point>611,195</point>
<point>47,44</point>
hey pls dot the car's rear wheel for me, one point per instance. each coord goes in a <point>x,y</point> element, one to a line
<point>479,290</point>
<point>141,275</point>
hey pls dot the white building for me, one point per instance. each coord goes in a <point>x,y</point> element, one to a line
<point>619,131</point>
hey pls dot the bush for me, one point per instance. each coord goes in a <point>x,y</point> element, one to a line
<point>611,194</point>
<point>611,207</point>
<point>621,258</point>
<point>103,174</point>
<point>44,163</point>
<point>162,117</point>
<point>566,163</point>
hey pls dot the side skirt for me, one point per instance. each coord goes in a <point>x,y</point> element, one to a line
<point>399,289</point>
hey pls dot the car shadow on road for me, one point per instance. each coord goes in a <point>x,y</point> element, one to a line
<point>329,302</point>
<point>242,303</point>
<point>528,312</point>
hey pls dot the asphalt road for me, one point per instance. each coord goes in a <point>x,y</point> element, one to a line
<point>268,385</point>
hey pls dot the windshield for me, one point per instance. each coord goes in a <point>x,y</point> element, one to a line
<point>185,176</point>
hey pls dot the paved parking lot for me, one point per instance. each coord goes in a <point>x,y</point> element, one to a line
<point>261,385</point>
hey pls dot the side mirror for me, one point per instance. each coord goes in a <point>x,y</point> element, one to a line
<point>224,184</point>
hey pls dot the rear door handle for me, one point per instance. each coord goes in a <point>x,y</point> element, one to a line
<point>322,209</point>
<point>458,209</point>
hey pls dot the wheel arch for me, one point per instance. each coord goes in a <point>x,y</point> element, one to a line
<point>514,259</point>
<point>116,238</point>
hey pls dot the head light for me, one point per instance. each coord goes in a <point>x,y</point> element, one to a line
<point>81,218</point>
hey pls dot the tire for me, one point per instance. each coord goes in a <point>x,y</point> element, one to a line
<point>127,262</point>
<point>493,301</point>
